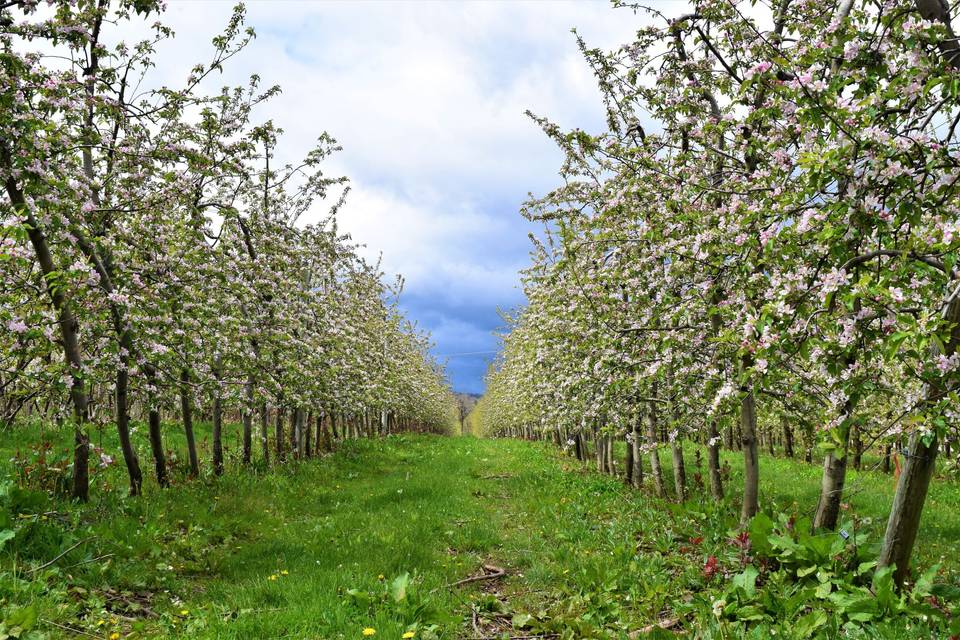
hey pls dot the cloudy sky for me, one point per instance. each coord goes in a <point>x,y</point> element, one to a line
<point>427,100</point>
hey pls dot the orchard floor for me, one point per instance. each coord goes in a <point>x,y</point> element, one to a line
<point>373,536</point>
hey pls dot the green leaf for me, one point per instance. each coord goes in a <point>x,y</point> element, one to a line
<point>24,618</point>
<point>747,581</point>
<point>520,620</point>
<point>805,571</point>
<point>924,584</point>
<point>398,588</point>
<point>6,534</point>
<point>805,626</point>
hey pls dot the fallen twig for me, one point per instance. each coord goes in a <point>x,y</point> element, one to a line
<point>77,564</point>
<point>67,628</point>
<point>68,550</point>
<point>495,572</point>
<point>663,624</point>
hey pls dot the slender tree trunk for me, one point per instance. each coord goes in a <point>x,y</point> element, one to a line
<point>628,465</point>
<point>217,430</point>
<point>713,460</point>
<point>69,332</point>
<point>247,420</point>
<point>834,474</point>
<point>327,432</point>
<point>265,432</point>
<point>281,456</point>
<point>186,414</point>
<point>857,442</point>
<point>293,434</point>
<point>153,428</point>
<point>156,446</point>
<point>831,490</point>
<point>655,470</point>
<point>918,469</point>
<point>887,448</point>
<point>307,431</point>
<point>787,436</point>
<point>751,464</point>
<point>123,429</point>
<point>679,471</point>
<point>611,463</point>
<point>635,447</point>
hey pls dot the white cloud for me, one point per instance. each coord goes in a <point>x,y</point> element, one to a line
<point>427,100</point>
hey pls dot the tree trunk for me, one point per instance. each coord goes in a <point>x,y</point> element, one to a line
<point>123,429</point>
<point>679,471</point>
<point>295,433</point>
<point>278,432</point>
<point>307,430</point>
<point>247,420</point>
<point>186,414</point>
<point>787,436</point>
<point>69,332</point>
<point>637,457</point>
<point>156,446</point>
<point>831,491</point>
<point>834,474</point>
<point>327,432</point>
<point>857,441</point>
<point>628,464</point>
<point>265,432</point>
<point>751,465</point>
<point>920,464</point>
<point>217,430</point>
<point>713,460</point>
<point>153,428</point>
<point>611,463</point>
<point>655,469</point>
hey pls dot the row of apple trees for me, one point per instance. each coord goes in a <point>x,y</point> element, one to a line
<point>763,244</point>
<point>155,263</point>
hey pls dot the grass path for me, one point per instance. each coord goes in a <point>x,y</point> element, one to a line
<point>371,538</point>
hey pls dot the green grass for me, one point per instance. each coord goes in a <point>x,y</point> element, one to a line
<point>315,549</point>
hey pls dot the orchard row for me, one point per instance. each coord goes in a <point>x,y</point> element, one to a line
<point>156,259</point>
<point>763,242</point>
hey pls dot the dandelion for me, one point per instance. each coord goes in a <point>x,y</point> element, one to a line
<point>408,635</point>
<point>184,612</point>
<point>369,631</point>
<point>114,636</point>
<point>273,576</point>
<point>718,606</point>
<point>284,573</point>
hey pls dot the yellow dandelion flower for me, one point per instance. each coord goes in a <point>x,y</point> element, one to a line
<point>114,636</point>
<point>184,612</point>
<point>273,576</point>
<point>380,577</point>
<point>408,635</point>
<point>369,632</point>
<point>284,573</point>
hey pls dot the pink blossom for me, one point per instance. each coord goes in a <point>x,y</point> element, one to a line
<point>16,325</point>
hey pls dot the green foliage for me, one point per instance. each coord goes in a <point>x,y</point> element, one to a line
<point>415,611</point>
